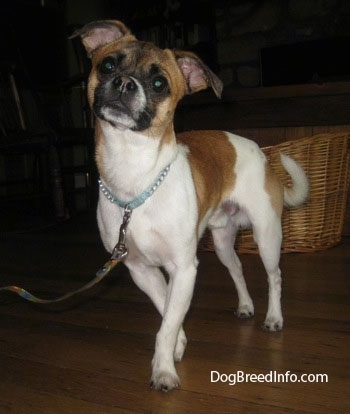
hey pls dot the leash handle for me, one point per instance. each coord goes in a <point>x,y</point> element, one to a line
<point>101,274</point>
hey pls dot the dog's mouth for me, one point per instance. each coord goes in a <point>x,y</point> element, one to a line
<point>122,117</point>
<point>115,113</point>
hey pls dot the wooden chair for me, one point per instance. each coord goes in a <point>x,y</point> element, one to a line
<point>69,114</point>
<point>26,148</point>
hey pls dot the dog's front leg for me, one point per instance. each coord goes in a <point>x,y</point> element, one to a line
<point>152,282</point>
<point>164,376</point>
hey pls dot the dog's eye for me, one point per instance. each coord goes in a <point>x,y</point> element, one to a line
<point>107,66</point>
<point>159,84</point>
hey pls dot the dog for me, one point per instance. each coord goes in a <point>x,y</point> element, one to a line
<point>162,190</point>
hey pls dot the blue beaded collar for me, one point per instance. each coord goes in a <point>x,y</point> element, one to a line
<point>140,199</point>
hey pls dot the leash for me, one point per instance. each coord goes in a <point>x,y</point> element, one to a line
<point>119,253</point>
<point>101,274</point>
<point>120,250</point>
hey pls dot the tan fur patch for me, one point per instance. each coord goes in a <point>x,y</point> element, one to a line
<point>212,158</point>
<point>274,189</point>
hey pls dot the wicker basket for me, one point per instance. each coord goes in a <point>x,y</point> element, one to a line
<point>318,224</point>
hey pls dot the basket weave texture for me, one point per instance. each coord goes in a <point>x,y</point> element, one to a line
<point>317,225</point>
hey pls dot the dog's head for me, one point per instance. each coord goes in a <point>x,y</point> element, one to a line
<point>134,84</point>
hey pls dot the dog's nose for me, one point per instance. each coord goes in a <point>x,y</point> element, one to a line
<point>124,84</point>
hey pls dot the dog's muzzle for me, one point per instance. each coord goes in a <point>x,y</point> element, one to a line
<point>121,102</point>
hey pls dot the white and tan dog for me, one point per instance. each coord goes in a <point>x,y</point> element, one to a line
<point>176,186</point>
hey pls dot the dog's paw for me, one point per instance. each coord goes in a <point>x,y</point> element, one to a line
<point>164,381</point>
<point>273,324</point>
<point>245,311</point>
<point>180,346</point>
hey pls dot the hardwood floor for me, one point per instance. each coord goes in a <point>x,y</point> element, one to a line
<point>94,355</point>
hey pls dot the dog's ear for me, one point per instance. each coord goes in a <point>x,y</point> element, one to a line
<point>197,74</point>
<point>101,32</point>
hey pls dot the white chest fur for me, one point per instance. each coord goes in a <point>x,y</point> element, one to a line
<point>153,232</point>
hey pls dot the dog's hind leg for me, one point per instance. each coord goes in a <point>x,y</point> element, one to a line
<point>224,238</point>
<point>268,236</point>
<point>152,282</point>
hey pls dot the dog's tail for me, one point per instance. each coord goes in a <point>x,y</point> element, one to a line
<point>297,194</point>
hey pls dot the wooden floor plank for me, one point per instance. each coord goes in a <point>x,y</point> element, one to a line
<point>40,402</point>
<point>95,357</point>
